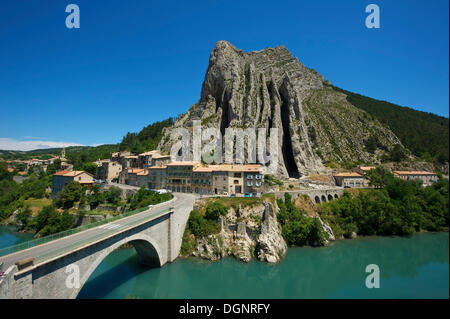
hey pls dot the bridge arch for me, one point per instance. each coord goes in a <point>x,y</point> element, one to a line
<point>330,197</point>
<point>336,196</point>
<point>317,199</point>
<point>147,249</point>
<point>324,199</point>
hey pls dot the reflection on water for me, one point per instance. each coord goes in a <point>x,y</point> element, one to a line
<point>410,267</point>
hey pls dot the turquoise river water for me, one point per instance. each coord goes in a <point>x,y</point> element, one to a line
<point>410,267</point>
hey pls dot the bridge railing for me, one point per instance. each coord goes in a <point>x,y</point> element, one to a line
<point>46,239</point>
<point>85,241</point>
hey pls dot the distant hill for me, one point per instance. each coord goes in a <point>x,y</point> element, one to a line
<point>420,132</point>
<point>145,140</point>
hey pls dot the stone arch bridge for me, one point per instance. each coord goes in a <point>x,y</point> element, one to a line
<point>156,234</point>
<point>317,196</point>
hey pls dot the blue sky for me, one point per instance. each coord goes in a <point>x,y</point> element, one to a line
<point>135,62</point>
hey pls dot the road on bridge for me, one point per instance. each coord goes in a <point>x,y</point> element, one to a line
<point>59,246</point>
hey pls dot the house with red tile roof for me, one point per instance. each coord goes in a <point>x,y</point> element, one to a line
<point>62,178</point>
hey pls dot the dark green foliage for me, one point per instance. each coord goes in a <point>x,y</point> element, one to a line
<point>70,194</point>
<point>271,181</point>
<point>371,144</point>
<point>397,153</point>
<point>13,194</point>
<point>188,243</point>
<point>200,226</point>
<point>82,157</point>
<point>420,132</point>
<point>50,221</point>
<point>297,228</point>
<point>145,198</point>
<point>400,208</point>
<point>379,177</point>
<point>147,139</point>
<point>54,167</point>
<point>4,174</point>
<point>113,195</point>
<point>96,197</point>
<point>23,216</point>
<point>91,168</point>
<point>214,210</point>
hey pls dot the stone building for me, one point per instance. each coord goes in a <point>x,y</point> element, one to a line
<point>62,178</point>
<point>145,159</point>
<point>152,158</point>
<point>108,170</point>
<point>236,178</point>
<point>142,178</point>
<point>350,180</point>
<point>159,160</point>
<point>427,178</point>
<point>201,180</point>
<point>179,176</point>
<point>157,178</point>
<point>253,179</point>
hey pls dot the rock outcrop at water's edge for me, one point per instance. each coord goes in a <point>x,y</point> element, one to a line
<point>246,233</point>
<point>270,244</point>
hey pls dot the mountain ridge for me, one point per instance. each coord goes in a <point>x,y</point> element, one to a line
<point>272,89</point>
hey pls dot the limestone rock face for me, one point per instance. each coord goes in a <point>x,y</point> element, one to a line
<point>245,233</point>
<point>328,230</point>
<point>272,89</point>
<point>270,246</point>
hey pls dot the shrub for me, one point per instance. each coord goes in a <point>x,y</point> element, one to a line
<point>214,210</point>
<point>200,226</point>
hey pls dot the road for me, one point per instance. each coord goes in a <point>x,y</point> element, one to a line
<point>59,246</point>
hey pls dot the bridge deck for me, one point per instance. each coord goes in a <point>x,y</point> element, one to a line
<point>52,249</point>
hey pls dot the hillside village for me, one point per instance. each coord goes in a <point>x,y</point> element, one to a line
<point>157,171</point>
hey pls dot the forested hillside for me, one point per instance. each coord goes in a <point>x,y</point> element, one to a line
<point>425,134</point>
<point>145,140</point>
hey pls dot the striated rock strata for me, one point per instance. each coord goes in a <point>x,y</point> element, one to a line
<point>272,89</point>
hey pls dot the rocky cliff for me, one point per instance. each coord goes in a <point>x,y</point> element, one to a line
<point>272,89</point>
<point>246,233</point>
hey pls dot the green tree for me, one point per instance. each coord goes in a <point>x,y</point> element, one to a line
<point>113,195</point>
<point>379,177</point>
<point>91,168</point>
<point>371,144</point>
<point>54,167</point>
<point>397,153</point>
<point>214,210</point>
<point>70,194</point>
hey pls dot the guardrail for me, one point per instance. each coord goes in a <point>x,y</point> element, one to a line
<point>46,239</point>
<point>85,241</point>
